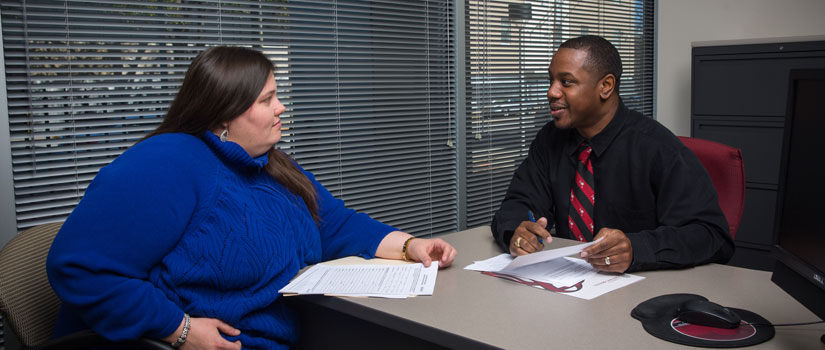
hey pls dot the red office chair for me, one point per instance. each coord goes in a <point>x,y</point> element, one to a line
<point>727,171</point>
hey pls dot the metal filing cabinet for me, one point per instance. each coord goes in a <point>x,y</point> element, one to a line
<point>738,98</point>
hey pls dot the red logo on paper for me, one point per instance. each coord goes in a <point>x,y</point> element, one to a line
<point>533,283</point>
<point>744,331</point>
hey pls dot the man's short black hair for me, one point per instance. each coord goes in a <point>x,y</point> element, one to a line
<point>602,57</point>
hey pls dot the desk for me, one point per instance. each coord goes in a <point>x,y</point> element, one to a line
<point>469,310</point>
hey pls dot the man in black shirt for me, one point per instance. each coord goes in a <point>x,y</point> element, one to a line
<point>638,188</point>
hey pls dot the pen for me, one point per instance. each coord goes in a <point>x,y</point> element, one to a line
<point>533,219</point>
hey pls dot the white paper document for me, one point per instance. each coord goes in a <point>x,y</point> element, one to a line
<point>386,281</point>
<point>547,255</point>
<point>553,271</point>
<point>506,262</point>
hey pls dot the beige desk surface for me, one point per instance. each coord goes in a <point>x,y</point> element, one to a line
<point>507,315</point>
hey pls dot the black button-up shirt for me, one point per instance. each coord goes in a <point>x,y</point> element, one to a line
<point>648,184</point>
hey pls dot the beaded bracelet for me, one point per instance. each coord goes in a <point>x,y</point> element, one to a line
<point>404,249</point>
<point>182,338</point>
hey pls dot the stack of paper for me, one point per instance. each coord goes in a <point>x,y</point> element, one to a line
<point>553,270</point>
<point>386,281</point>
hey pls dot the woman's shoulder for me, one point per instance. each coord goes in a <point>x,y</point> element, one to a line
<point>170,145</point>
<point>172,154</point>
<point>171,142</point>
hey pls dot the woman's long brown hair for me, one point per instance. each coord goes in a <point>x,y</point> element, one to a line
<point>221,83</point>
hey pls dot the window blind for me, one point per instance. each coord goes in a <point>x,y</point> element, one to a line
<point>509,47</point>
<point>368,86</point>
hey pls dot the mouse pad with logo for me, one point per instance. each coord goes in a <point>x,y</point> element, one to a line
<point>658,317</point>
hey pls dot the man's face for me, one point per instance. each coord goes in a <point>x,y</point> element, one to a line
<point>574,90</point>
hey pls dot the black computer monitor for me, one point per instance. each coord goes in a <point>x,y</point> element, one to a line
<point>799,231</point>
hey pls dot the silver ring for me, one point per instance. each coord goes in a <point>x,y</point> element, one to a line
<point>518,242</point>
<point>607,260</point>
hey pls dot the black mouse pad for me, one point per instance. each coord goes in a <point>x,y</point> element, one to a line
<point>658,317</point>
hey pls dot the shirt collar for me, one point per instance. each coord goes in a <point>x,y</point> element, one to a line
<point>604,138</point>
<point>233,153</point>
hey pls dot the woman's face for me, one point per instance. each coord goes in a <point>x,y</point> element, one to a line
<point>259,127</point>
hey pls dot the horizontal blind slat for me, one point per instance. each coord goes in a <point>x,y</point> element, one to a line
<point>370,83</point>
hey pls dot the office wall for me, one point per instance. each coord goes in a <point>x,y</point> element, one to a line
<point>8,227</point>
<point>681,22</point>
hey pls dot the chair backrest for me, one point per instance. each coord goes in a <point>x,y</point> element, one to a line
<point>28,304</point>
<point>727,171</point>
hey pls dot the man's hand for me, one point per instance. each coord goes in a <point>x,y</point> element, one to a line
<point>526,237</point>
<point>612,254</point>
<point>205,333</point>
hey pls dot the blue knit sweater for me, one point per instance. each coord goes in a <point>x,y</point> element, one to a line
<point>180,223</point>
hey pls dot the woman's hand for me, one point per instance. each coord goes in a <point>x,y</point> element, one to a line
<point>426,250</point>
<point>418,249</point>
<point>205,333</point>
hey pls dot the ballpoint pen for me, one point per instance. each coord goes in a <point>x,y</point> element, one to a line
<point>533,219</point>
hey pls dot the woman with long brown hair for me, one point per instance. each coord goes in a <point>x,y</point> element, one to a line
<point>190,233</point>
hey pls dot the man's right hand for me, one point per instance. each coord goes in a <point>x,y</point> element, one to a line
<point>526,237</point>
<point>205,333</point>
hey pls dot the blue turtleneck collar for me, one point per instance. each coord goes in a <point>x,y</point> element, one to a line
<point>233,153</point>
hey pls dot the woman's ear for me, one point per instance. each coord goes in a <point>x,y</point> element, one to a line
<point>607,86</point>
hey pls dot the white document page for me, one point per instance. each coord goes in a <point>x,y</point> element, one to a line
<point>496,263</point>
<point>572,276</point>
<point>386,281</point>
<point>546,255</point>
<point>507,262</point>
<point>555,272</point>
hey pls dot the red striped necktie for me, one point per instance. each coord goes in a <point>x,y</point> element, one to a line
<point>582,196</point>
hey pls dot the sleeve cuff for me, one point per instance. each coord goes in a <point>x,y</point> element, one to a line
<point>378,230</point>
<point>171,326</point>
<point>507,236</point>
<point>642,253</point>
<point>503,232</point>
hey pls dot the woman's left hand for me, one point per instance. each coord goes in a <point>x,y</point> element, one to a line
<point>427,250</point>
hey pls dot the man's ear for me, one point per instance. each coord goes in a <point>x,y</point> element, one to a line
<point>607,86</point>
